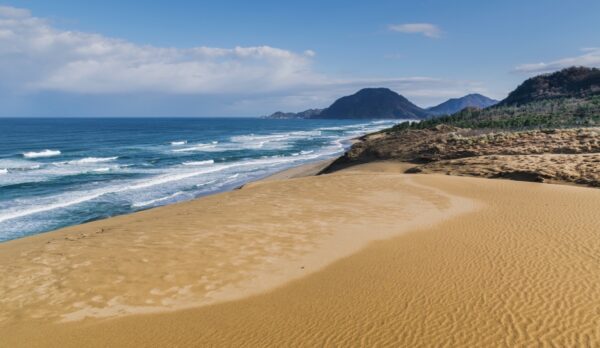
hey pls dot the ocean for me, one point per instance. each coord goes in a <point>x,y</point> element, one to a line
<point>66,171</point>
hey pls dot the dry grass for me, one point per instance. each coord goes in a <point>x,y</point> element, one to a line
<point>560,156</point>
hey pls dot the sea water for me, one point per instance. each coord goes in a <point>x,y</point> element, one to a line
<point>66,171</point>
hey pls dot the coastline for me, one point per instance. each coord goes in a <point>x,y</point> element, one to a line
<point>87,179</point>
<point>299,174</point>
<point>182,264</point>
<point>331,260</point>
<point>325,242</point>
<point>307,169</point>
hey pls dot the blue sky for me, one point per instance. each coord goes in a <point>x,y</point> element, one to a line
<point>243,58</point>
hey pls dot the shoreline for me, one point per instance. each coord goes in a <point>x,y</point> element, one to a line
<point>357,252</point>
<point>196,259</point>
<point>93,181</point>
<point>309,168</point>
<point>309,251</point>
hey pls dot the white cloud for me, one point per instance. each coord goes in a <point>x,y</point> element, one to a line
<point>310,53</point>
<point>36,58</point>
<point>589,58</point>
<point>13,12</point>
<point>426,29</point>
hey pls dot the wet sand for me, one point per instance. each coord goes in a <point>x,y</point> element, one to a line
<point>364,257</point>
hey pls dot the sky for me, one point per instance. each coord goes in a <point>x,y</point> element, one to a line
<point>251,58</point>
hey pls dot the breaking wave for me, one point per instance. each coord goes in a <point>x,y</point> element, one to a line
<point>40,154</point>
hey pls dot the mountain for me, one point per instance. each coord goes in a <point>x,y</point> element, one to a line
<point>566,98</point>
<point>456,104</point>
<point>574,82</point>
<point>369,103</point>
<point>310,113</point>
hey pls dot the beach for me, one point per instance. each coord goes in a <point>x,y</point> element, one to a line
<point>366,256</point>
<point>68,172</point>
<point>299,174</point>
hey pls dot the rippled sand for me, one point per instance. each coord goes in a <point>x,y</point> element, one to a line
<point>366,256</point>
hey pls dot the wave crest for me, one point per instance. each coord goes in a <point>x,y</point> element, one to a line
<point>198,163</point>
<point>44,153</point>
<point>158,200</point>
<point>94,160</point>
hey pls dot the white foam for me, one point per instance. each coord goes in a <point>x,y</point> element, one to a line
<point>101,170</point>
<point>167,178</point>
<point>44,153</point>
<point>180,174</point>
<point>206,183</point>
<point>272,141</point>
<point>255,138</point>
<point>3,171</point>
<point>158,200</point>
<point>178,143</point>
<point>63,202</point>
<point>19,165</point>
<point>198,147</point>
<point>48,207</point>
<point>93,160</point>
<point>198,163</point>
<point>275,136</point>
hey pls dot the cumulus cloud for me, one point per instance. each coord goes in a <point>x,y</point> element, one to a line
<point>36,56</point>
<point>427,29</point>
<point>589,58</point>
<point>42,64</point>
<point>13,12</point>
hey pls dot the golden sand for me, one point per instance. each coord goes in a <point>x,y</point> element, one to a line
<point>363,257</point>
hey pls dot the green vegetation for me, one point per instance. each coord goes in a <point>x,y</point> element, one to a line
<point>549,113</point>
<point>566,98</point>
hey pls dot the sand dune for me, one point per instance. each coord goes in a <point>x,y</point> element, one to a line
<point>582,169</point>
<point>569,156</point>
<point>363,257</point>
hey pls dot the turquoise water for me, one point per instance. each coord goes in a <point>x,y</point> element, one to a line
<point>61,172</point>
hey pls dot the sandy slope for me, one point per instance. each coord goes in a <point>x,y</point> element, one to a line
<point>583,169</point>
<point>522,268</point>
<point>569,156</point>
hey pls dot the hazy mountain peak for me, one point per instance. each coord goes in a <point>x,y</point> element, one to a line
<point>473,100</point>
<point>373,103</point>
<point>367,103</point>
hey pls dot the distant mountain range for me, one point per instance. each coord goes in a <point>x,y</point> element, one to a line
<point>373,103</point>
<point>456,104</point>
<point>310,113</point>
<point>566,98</point>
